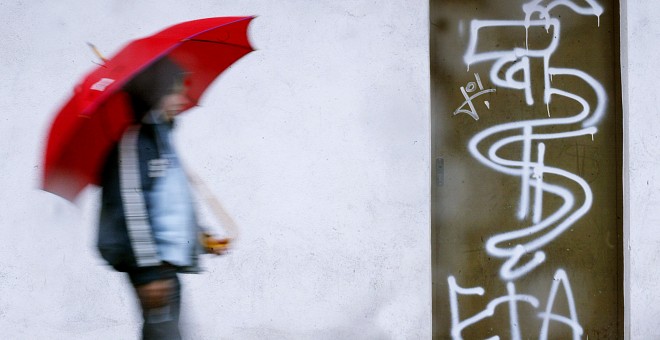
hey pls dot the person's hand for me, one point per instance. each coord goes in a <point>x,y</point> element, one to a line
<point>214,245</point>
<point>155,294</point>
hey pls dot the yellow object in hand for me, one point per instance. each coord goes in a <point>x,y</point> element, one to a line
<point>215,245</point>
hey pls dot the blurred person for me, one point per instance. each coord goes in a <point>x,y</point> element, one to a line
<point>147,225</point>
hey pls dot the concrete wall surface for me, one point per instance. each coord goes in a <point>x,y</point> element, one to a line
<point>316,143</point>
<point>640,35</point>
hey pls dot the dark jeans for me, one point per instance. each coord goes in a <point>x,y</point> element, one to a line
<point>163,323</point>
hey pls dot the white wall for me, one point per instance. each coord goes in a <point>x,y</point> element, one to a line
<point>640,37</point>
<point>317,143</point>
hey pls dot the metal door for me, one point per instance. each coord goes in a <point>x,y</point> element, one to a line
<point>526,193</point>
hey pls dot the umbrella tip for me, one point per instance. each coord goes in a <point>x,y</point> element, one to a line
<point>97,52</point>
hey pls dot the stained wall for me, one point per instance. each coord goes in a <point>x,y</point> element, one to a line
<point>526,214</point>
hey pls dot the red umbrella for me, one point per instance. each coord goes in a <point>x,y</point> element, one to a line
<point>94,118</point>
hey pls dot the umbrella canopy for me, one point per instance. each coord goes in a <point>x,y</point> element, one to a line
<point>99,111</point>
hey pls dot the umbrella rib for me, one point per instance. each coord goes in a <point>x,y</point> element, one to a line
<point>219,42</point>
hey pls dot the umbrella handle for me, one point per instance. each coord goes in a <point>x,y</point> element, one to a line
<point>97,52</point>
<point>213,203</point>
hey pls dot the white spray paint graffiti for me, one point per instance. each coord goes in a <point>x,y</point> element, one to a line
<point>511,69</point>
<point>560,279</point>
<point>468,89</point>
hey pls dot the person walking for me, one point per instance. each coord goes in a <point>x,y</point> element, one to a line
<point>147,225</point>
